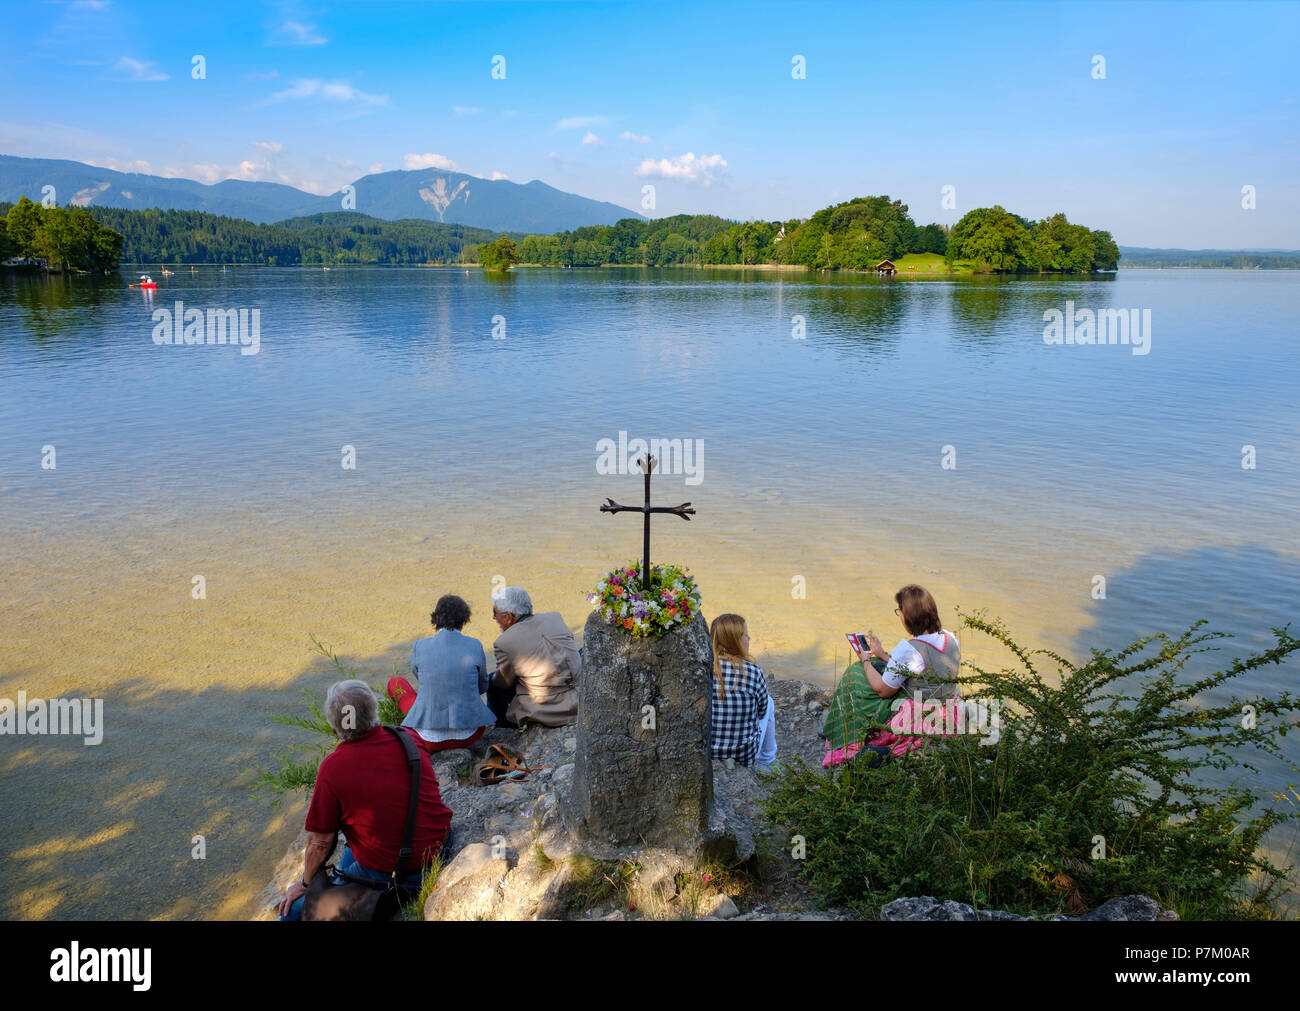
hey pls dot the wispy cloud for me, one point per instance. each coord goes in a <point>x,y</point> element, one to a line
<point>686,168</point>
<point>466,110</point>
<point>295,33</point>
<point>333,91</point>
<point>139,70</point>
<point>135,165</point>
<point>429,160</point>
<point>639,138</point>
<point>498,175</point>
<point>589,139</point>
<point>91,5</point>
<point>580,122</point>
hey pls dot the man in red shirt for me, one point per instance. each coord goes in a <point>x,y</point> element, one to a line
<point>363,787</point>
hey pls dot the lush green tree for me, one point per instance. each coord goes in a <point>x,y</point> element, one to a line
<point>1105,255</point>
<point>499,254</point>
<point>22,224</point>
<point>930,239</point>
<point>994,238</point>
<point>8,248</point>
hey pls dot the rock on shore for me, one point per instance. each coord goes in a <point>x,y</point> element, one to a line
<point>515,857</point>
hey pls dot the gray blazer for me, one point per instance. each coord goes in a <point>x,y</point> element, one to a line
<point>451,669</point>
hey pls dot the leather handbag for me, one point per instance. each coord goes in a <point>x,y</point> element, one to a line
<point>354,898</point>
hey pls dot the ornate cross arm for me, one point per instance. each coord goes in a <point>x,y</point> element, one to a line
<point>684,511</point>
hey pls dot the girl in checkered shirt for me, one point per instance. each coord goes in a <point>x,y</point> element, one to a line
<point>744,720</point>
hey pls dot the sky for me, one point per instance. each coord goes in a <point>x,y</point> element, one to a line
<point>1003,103</point>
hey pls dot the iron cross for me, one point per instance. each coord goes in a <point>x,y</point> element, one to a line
<point>647,464</point>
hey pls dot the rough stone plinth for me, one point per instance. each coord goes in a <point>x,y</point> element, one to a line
<point>637,783</point>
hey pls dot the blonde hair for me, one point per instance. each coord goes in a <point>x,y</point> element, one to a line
<point>725,632</point>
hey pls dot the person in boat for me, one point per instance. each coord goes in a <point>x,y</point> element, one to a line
<point>447,711</point>
<point>927,661</point>
<point>538,664</point>
<point>744,718</point>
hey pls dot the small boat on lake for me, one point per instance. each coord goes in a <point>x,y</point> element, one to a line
<point>145,282</point>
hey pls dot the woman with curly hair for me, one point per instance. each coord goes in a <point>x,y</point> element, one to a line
<point>447,711</point>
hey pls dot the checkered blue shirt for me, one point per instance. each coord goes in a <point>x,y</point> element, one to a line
<point>738,718</point>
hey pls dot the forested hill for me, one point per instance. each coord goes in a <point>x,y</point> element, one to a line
<point>1239,259</point>
<point>335,238</point>
<point>427,194</point>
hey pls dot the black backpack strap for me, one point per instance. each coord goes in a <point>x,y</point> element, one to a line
<point>408,836</point>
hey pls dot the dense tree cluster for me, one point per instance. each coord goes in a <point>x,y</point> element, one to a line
<point>995,239</point>
<point>498,255</point>
<point>856,234</point>
<point>64,238</point>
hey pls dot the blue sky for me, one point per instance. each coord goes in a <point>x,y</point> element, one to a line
<point>998,101</point>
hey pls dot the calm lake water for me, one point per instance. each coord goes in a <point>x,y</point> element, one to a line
<point>476,458</point>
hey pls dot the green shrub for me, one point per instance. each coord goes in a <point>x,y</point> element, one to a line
<point>1094,789</point>
<point>291,776</point>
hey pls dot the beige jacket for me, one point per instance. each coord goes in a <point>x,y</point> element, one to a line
<point>539,657</point>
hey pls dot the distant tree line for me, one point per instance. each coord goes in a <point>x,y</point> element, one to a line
<point>62,238</point>
<point>854,235</point>
<point>1238,259</point>
<point>340,237</point>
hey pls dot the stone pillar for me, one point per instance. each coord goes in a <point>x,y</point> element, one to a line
<point>634,785</point>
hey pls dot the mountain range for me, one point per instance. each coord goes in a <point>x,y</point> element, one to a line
<point>431,194</point>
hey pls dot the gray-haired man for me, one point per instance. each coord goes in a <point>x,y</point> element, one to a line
<point>363,788</point>
<point>538,664</point>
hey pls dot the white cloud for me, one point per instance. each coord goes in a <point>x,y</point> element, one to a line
<point>640,138</point>
<point>375,169</point>
<point>295,33</point>
<point>204,173</point>
<point>591,140</point>
<point>428,160</point>
<point>91,5</point>
<point>334,91</point>
<point>139,70</point>
<point>498,175</point>
<point>686,168</point>
<point>269,148</point>
<point>558,160</point>
<point>466,110</point>
<point>137,165</point>
<point>580,122</point>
